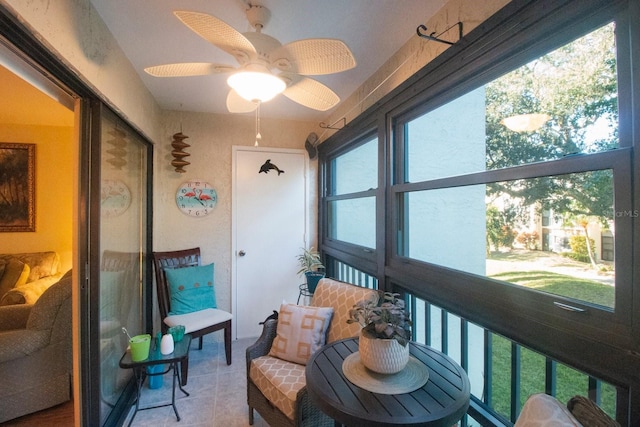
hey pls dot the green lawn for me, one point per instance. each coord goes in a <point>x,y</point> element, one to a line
<point>569,381</point>
<point>560,284</point>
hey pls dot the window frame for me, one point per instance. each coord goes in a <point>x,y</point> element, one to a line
<point>368,259</point>
<point>331,197</point>
<point>613,327</point>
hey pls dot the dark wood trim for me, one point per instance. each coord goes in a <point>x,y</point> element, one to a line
<point>36,54</point>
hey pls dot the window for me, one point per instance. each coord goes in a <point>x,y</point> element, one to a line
<point>357,169</point>
<point>606,243</point>
<point>352,203</point>
<point>515,180</point>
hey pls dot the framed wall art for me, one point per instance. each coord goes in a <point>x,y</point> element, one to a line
<point>17,187</point>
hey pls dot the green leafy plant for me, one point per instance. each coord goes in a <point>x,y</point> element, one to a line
<point>383,318</point>
<point>309,261</point>
<point>579,248</point>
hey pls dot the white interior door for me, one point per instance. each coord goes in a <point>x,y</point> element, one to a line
<point>269,228</point>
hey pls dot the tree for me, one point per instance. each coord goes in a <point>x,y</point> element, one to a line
<point>576,86</point>
<point>500,232</point>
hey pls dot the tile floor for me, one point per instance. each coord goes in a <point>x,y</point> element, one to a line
<point>218,392</point>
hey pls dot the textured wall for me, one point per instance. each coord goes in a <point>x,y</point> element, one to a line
<point>211,138</point>
<point>54,191</point>
<point>415,54</point>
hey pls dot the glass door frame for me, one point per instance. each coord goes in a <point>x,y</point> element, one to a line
<point>90,339</point>
<point>86,257</point>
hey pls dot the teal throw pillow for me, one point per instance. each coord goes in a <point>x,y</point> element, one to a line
<point>191,288</point>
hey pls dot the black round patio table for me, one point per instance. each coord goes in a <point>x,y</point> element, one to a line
<point>442,401</point>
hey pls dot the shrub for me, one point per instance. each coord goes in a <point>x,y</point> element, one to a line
<point>578,245</point>
<point>528,240</point>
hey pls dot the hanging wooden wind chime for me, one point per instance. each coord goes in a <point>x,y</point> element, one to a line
<point>179,145</point>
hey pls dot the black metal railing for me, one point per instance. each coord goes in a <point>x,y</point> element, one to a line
<point>346,273</point>
<point>507,372</point>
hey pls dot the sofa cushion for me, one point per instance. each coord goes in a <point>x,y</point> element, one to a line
<point>301,331</point>
<point>14,317</point>
<point>42,264</point>
<point>342,297</point>
<point>29,293</point>
<point>49,303</point>
<point>543,410</point>
<point>22,342</point>
<point>279,381</point>
<point>191,288</point>
<point>15,274</point>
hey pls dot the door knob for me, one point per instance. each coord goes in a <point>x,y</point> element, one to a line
<point>242,253</point>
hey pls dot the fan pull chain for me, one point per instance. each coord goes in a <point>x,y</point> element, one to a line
<point>258,136</point>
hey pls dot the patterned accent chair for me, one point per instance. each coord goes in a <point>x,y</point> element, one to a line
<point>36,352</point>
<point>276,388</point>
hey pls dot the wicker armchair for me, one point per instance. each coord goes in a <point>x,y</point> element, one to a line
<point>329,293</point>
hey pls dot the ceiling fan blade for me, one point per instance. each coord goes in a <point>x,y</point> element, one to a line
<point>313,57</point>
<point>218,33</point>
<point>237,104</point>
<point>310,93</point>
<point>187,69</point>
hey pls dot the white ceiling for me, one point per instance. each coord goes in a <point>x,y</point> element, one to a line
<point>149,34</point>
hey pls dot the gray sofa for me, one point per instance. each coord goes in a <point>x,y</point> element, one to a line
<point>36,352</point>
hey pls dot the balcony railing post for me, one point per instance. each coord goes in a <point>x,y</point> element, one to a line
<point>516,366</point>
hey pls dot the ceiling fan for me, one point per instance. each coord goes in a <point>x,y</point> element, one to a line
<point>264,61</point>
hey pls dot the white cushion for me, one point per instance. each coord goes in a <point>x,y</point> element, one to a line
<point>542,410</point>
<point>198,319</point>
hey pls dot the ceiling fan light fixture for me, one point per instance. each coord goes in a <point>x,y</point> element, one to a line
<point>267,67</point>
<point>256,85</point>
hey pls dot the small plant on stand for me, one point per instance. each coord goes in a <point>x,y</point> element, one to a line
<point>311,266</point>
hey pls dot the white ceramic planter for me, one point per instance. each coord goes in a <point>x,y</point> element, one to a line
<point>384,356</point>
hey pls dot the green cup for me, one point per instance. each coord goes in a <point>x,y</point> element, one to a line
<point>177,332</point>
<point>140,347</point>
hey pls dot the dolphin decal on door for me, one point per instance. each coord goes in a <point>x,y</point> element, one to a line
<point>267,166</point>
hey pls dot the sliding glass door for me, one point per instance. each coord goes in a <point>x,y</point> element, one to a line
<point>118,298</point>
<point>109,227</point>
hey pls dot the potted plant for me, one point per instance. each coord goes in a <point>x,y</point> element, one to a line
<point>312,267</point>
<point>385,333</point>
